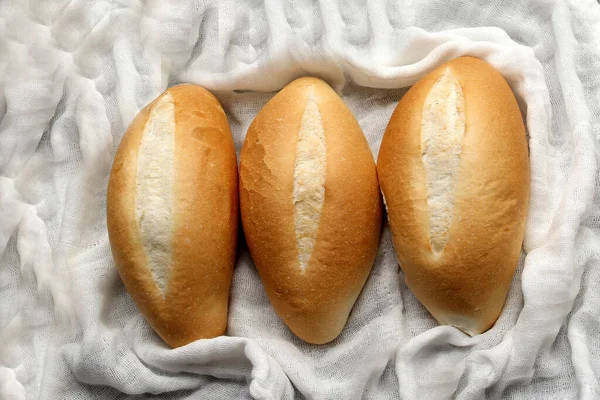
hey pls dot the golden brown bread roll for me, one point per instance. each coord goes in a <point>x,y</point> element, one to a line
<point>454,171</point>
<point>172,214</point>
<point>311,207</point>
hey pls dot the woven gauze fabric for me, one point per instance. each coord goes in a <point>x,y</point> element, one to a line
<point>73,74</point>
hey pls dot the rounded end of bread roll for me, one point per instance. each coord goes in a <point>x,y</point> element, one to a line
<point>310,206</point>
<point>454,172</point>
<point>172,214</point>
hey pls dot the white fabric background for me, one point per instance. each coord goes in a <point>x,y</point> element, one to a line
<point>73,74</point>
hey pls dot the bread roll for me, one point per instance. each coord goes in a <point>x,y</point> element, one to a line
<point>454,172</point>
<point>311,207</point>
<point>172,214</point>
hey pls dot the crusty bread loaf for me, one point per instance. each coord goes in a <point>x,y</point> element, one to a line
<point>311,207</point>
<point>172,214</point>
<point>454,171</point>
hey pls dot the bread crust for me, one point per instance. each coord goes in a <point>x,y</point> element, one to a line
<point>314,303</point>
<point>204,221</point>
<point>464,285</point>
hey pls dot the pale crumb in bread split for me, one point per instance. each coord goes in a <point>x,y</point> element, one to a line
<point>309,180</point>
<point>154,189</point>
<point>442,134</point>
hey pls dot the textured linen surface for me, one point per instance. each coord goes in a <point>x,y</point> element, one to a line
<point>73,74</point>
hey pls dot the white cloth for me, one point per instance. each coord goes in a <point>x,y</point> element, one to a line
<point>73,74</point>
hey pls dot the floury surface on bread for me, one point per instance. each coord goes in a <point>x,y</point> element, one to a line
<point>311,207</point>
<point>454,172</point>
<point>172,214</point>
